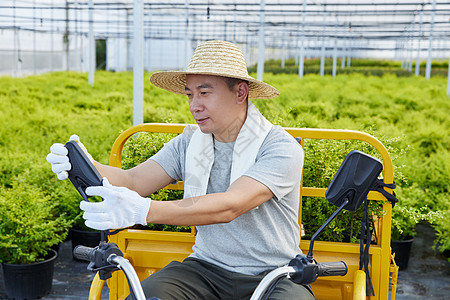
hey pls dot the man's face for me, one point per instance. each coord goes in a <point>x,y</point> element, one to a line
<point>214,107</point>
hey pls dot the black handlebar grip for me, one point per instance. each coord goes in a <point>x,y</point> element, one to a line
<point>83,253</point>
<point>335,268</point>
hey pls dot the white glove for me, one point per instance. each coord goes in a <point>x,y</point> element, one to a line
<point>60,161</point>
<point>120,208</point>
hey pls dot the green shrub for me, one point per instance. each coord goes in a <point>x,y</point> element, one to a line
<point>443,232</point>
<point>408,113</point>
<point>30,225</point>
<point>367,67</point>
<point>322,160</point>
<point>405,219</point>
<point>137,150</point>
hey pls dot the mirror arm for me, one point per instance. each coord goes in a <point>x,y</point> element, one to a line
<point>311,245</point>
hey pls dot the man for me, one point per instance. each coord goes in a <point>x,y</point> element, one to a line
<point>242,185</point>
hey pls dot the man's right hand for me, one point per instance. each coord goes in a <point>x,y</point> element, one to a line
<point>60,161</point>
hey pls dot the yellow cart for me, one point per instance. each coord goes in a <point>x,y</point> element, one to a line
<point>149,251</point>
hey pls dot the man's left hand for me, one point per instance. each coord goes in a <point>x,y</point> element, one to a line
<point>120,208</point>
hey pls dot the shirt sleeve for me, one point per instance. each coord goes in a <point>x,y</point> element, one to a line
<point>279,163</point>
<point>172,156</point>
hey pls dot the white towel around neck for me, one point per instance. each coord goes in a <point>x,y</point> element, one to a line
<point>200,152</point>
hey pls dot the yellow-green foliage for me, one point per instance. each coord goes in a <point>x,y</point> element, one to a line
<point>138,149</point>
<point>409,114</point>
<point>30,224</point>
<point>373,67</point>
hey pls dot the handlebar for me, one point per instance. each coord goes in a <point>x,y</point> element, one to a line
<point>107,258</point>
<point>83,253</point>
<point>270,280</point>
<point>301,270</point>
<point>130,274</point>
<point>335,268</point>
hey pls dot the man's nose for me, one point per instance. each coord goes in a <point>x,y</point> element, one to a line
<point>195,103</point>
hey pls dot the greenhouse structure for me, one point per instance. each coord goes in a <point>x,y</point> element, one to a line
<point>350,76</point>
<point>46,35</point>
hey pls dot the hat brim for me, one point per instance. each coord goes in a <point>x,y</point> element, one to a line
<point>175,82</point>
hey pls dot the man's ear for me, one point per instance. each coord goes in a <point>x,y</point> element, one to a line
<point>242,92</point>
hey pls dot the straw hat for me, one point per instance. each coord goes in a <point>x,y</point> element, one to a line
<point>217,58</point>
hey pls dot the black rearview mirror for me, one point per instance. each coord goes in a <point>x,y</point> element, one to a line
<point>355,177</point>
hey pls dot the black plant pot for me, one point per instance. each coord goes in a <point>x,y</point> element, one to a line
<point>29,281</point>
<point>56,247</point>
<point>85,238</point>
<point>402,250</point>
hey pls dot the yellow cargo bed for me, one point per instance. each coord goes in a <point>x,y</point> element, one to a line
<point>149,251</point>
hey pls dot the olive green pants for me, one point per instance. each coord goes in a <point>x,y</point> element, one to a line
<point>196,279</point>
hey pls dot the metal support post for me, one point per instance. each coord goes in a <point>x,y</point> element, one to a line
<point>67,36</point>
<point>301,64</point>
<point>428,68</point>
<point>260,67</point>
<point>417,71</point>
<point>34,37</point>
<point>344,48</point>
<point>322,51</point>
<point>349,52</point>
<point>77,56</point>
<point>51,37</point>
<point>91,44</point>
<point>15,48</point>
<point>335,49</point>
<point>148,39</point>
<point>138,62</point>
<point>117,50</point>
<point>283,50</point>
<point>186,17</point>
<point>411,40</point>
<point>234,24</point>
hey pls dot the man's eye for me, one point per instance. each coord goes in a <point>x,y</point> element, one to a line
<point>203,93</point>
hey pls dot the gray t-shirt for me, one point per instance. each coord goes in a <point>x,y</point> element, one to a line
<point>265,237</point>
